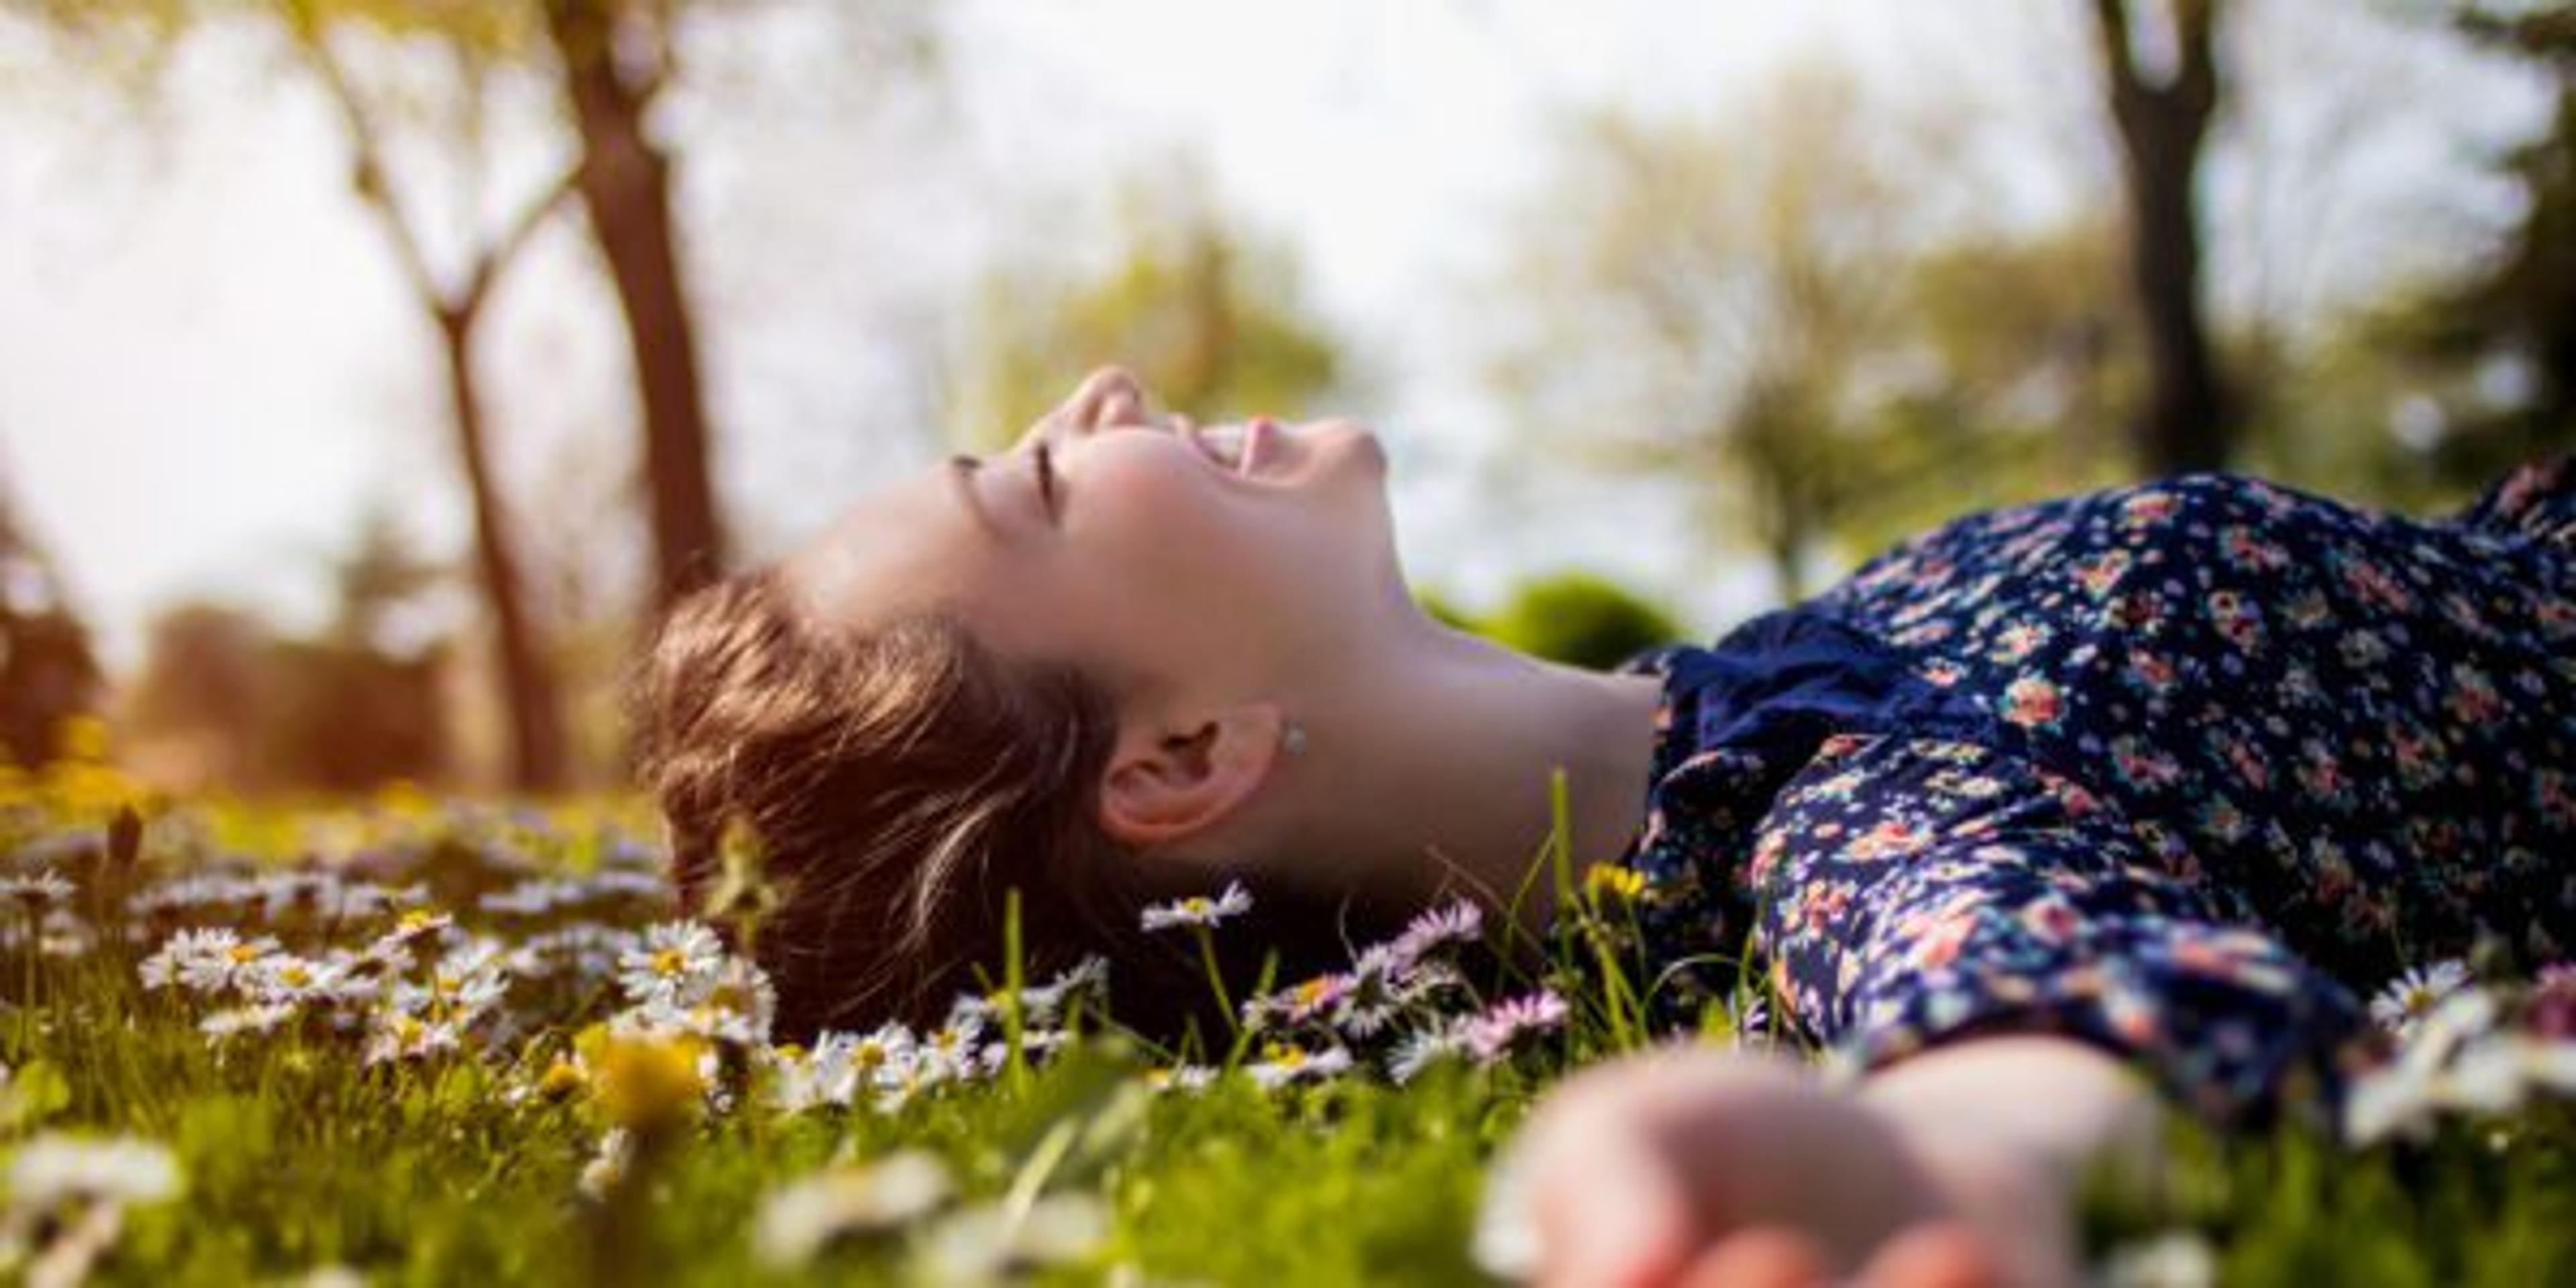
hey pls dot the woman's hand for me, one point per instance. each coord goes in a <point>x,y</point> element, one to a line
<point>1703,1166</point>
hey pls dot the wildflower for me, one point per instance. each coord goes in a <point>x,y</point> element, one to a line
<point>415,923</point>
<point>804,1216</point>
<point>54,1168</point>
<point>1423,1048</point>
<point>1199,910</point>
<point>1301,1002</point>
<point>1613,883</point>
<point>212,960</point>
<point>607,1167</point>
<point>1181,1077</point>
<point>2403,1094</point>
<point>649,1082</point>
<point>1286,1062</point>
<point>2410,997</point>
<point>258,1018</point>
<point>948,1052</point>
<point>1455,923</point>
<point>1490,1036</point>
<point>2177,1258</point>
<point>1375,993</point>
<point>288,980</point>
<point>676,958</point>
<point>1041,1004</point>
<point>43,888</point>
<point>400,1035</point>
<point>992,1242</point>
<point>564,1076</point>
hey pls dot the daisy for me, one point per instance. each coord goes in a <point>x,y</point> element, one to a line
<point>1374,996</point>
<point>801,1218</point>
<point>1456,923</point>
<point>948,1052</point>
<point>213,960</point>
<point>54,1167</point>
<point>1490,1035</point>
<point>2401,1006</point>
<point>259,1018</point>
<point>1423,1048</point>
<point>1286,1062</point>
<point>44,887</point>
<point>1199,910</point>
<point>395,943</point>
<point>607,1168</point>
<point>676,957</point>
<point>402,1036</point>
<point>1181,1077</point>
<point>1040,1004</point>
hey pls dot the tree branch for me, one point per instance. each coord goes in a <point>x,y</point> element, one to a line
<point>2111,23</point>
<point>497,256</point>
<point>369,175</point>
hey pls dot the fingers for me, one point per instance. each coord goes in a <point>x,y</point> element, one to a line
<point>1935,1254</point>
<point>1763,1257</point>
<point>1606,1204</point>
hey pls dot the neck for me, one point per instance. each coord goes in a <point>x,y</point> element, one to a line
<point>1430,777</point>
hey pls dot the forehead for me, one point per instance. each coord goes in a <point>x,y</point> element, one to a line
<point>909,546</point>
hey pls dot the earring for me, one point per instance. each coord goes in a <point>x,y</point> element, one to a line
<point>1292,738</point>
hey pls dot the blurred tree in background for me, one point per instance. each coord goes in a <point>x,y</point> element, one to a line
<point>1579,618</point>
<point>1725,302</point>
<point>47,673</point>
<point>226,701</point>
<point>2161,116</point>
<point>2506,335</point>
<point>475,46</point>
<point>1210,318</point>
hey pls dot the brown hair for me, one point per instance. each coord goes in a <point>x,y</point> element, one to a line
<point>898,782</point>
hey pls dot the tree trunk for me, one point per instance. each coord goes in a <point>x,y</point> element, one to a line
<point>537,751</point>
<point>2188,423</point>
<point>625,187</point>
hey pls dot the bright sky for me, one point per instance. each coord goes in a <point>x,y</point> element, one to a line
<point>209,366</point>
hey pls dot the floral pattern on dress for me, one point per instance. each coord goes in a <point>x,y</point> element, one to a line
<point>2182,769</point>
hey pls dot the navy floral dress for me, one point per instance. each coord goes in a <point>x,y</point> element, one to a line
<point>2184,769</point>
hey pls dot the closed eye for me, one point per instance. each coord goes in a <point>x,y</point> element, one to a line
<point>1046,478</point>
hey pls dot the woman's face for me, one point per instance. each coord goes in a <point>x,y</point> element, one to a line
<point>1152,552</point>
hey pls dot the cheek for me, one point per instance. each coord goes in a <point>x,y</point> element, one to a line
<point>1153,528</point>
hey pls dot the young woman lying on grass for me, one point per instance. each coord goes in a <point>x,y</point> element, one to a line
<point>2043,823</point>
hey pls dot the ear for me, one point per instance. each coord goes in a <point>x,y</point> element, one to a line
<point>1167,781</point>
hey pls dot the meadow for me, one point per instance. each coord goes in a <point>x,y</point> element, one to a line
<point>400,1039</point>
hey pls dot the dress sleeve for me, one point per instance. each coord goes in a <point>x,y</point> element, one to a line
<point>1911,892</point>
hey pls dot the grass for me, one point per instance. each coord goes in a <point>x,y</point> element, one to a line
<point>480,1164</point>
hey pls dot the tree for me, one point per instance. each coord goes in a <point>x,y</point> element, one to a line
<point>2517,316</point>
<point>1716,301</point>
<point>47,672</point>
<point>2187,423</point>
<point>615,58</point>
<point>1580,619</point>
<point>1207,317</point>
<point>454,306</point>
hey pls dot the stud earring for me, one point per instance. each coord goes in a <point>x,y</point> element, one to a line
<point>1292,738</point>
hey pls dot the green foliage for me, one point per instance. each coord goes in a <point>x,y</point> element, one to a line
<point>1205,314</point>
<point>1580,618</point>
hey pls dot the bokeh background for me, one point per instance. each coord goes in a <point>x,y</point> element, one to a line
<point>371,372</point>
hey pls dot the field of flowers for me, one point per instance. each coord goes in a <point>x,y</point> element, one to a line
<point>406,1040</point>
